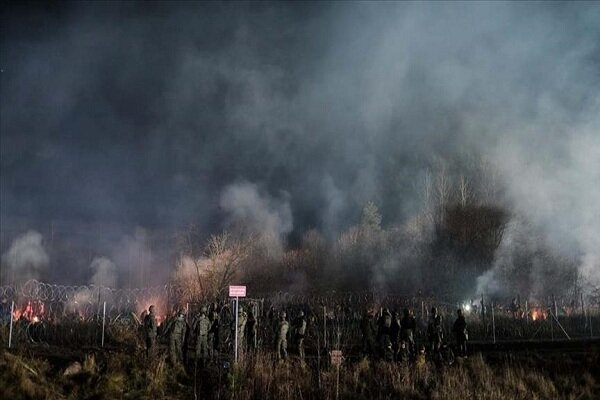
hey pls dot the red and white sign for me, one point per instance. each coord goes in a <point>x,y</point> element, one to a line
<point>237,291</point>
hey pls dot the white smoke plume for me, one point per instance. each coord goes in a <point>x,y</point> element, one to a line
<point>259,213</point>
<point>26,258</point>
<point>105,272</point>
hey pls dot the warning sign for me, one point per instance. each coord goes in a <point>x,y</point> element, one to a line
<point>237,291</point>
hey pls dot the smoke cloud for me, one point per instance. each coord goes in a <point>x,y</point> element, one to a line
<point>257,213</point>
<point>105,272</point>
<point>26,258</point>
<point>291,117</point>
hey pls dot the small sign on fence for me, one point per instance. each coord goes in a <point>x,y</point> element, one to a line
<point>336,357</point>
<point>237,291</point>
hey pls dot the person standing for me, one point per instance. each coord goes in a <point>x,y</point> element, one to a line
<point>435,331</point>
<point>408,327</point>
<point>299,333</point>
<point>461,334</point>
<point>202,328</point>
<point>282,331</point>
<point>369,332</point>
<point>177,338</point>
<point>150,331</point>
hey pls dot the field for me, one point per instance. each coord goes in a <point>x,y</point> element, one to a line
<point>545,370</point>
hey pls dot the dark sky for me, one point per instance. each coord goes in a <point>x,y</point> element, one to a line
<point>153,114</point>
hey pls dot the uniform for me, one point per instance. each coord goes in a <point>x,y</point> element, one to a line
<point>460,331</point>
<point>299,333</point>
<point>176,339</point>
<point>150,331</point>
<point>408,327</point>
<point>435,331</point>
<point>202,329</point>
<point>369,331</point>
<point>282,331</point>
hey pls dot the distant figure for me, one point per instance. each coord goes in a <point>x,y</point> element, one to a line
<point>150,329</point>
<point>369,332</point>
<point>202,328</point>
<point>408,327</point>
<point>213,334</point>
<point>251,331</point>
<point>282,330</point>
<point>460,331</point>
<point>395,333</point>
<point>299,333</point>
<point>241,328</point>
<point>435,331</point>
<point>177,338</point>
<point>384,335</point>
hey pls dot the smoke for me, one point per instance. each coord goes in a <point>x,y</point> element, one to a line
<point>26,258</point>
<point>258,213</point>
<point>105,272</point>
<point>347,102</point>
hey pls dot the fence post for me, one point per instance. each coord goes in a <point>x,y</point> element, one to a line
<point>583,312</point>
<point>590,319</point>
<point>551,323</point>
<point>325,326</point>
<point>103,321</point>
<point>493,323</point>
<point>12,313</point>
<point>237,305</point>
<point>483,315</point>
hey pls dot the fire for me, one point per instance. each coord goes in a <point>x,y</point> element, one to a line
<point>537,314</point>
<point>32,311</point>
<point>142,308</point>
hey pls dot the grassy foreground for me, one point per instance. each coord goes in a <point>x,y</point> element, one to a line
<point>116,375</point>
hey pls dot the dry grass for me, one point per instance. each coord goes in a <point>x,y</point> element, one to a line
<point>127,376</point>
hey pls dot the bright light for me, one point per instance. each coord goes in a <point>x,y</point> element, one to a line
<point>36,319</point>
<point>467,307</point>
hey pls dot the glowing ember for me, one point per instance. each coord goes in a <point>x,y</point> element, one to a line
<point>537,314</point>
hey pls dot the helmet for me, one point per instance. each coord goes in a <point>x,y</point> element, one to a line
<point>301,313</point>
<point>283,314</point>
<point>203,309</point>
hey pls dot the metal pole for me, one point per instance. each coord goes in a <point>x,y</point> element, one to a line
<point>551,325</point>
<point>583,311</point>
<point>12,313</point>
<point>98,308</point>
<point>590,319</point>
<point>325,326</point>
<point>493,324</point>
<point>483,315</point>
<point>337,383</point>
<point>103,321</point>
<point>236,328</point>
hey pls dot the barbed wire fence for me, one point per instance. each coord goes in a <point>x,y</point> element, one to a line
<point>90,315</point>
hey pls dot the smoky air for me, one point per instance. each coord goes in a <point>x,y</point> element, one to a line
<point>392,147</point>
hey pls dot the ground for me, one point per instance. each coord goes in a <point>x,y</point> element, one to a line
<point>527,371</point>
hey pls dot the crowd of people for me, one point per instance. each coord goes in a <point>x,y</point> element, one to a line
<point>388,336</point>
